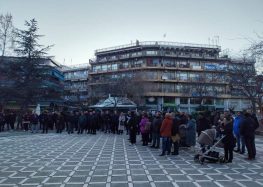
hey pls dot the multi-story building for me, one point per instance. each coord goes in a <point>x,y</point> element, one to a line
<point>178,76</point>
<point>76,84</point>
<point>51,85</point>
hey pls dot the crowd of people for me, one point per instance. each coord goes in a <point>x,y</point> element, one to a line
<point>237,129</point>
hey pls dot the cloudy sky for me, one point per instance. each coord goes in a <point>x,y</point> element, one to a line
<point>78,27</point>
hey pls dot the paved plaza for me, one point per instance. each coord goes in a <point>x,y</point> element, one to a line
<point>107,160</point>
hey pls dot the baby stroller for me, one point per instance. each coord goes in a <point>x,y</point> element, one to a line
<point>209,142</point>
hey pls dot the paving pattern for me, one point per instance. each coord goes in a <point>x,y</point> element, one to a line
<point>108,160</point>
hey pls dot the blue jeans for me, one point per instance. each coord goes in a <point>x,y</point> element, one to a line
<point>240,141</point>
<point>166,145</point>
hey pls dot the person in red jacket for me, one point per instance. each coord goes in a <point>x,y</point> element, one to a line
<point>165,131</point>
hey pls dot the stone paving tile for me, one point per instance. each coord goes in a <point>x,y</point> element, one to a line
<point>108,160</point>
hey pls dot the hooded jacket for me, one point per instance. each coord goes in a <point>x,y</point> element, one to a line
<point>166,128</point>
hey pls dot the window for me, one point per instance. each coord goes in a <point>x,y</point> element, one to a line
<point>183,100</point>
<point>184,64</point>
<point>169,63</point>
<point>109,67</point>
<point>104,67</point>
<point>114,67</point>
<point>138,63</point>
<point>208,101</point>
<point>195,101</point>
<point>219,101</point>
<point>183,76</point>
<point>170,100</point>
<point>96,68</point>
<point>151,52</point>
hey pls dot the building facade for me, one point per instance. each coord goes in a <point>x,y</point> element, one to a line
<point>76,84</point>
<point>175,76</point>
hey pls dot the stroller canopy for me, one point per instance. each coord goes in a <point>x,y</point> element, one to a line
<point>207,137</point>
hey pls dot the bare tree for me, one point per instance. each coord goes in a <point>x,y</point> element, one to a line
<point>243,79</point>
<point>119,88</point>
<point>6,32</point>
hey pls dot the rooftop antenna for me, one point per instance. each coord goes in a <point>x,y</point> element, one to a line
<point>209,41</point>
<point>217,39</point>
<point>164,36</point>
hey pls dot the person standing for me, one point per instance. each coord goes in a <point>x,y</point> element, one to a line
<point>144,124</point>
<point>81,123</point>
<point>94,122</point>
<point>132,124</point>
<point>19,119</point>
<point>46,122</point>
<point>247,129</point>
<point>240,139</point>
<point>202,124</point>
<point>60,122</point>
<point>175,135</point>
<point>229,139</point>
<point>156,125</point>
<point>26,121</point>
<point>191,132</point>
<point>2,121</point>
<point>166,131</point>
<point>121,123</point>
<point>115,122</point>
<point>34,123</point>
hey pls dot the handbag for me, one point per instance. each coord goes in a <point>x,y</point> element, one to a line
<point>176,138</point>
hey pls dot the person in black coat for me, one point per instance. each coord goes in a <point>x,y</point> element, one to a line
<point>132,124</point>
<point>229,139</point>
<point>156,125</point>
<point>175,131</point>
<point>202,124</point>
<point>247,129</point>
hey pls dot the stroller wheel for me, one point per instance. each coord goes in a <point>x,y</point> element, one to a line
<point>221,159</point>
<point>201,159</point>
<point>196,157</point>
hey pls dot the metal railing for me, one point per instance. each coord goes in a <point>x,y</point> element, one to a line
<point>158,43</point>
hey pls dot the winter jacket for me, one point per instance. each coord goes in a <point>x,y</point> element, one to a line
<point>229,139</point>
<point>156,125</point>
<point>82,120</point>
<point>142,124</point>
<point>166,128</point>
<point>191,133</point>
<point>248,127</point>
<point>237,122</point>
<point>202,125</point>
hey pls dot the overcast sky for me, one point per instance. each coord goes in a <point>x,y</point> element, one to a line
<point>78,27</point>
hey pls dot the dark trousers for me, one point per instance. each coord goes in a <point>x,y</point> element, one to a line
<point>70,128</point>
<point>145,138</point>
<point>251,148</point>
<point>80,129</point>
<point>176,148</point>
<point>133,137</point>
<point>45,128</point>
<point>228,153</point>
<point>93,129</point>
<point>156,139</point>
<point>1,126</point>
<point>26,126</point>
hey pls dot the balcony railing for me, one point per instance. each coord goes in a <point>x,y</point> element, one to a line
<point>158,43</point>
